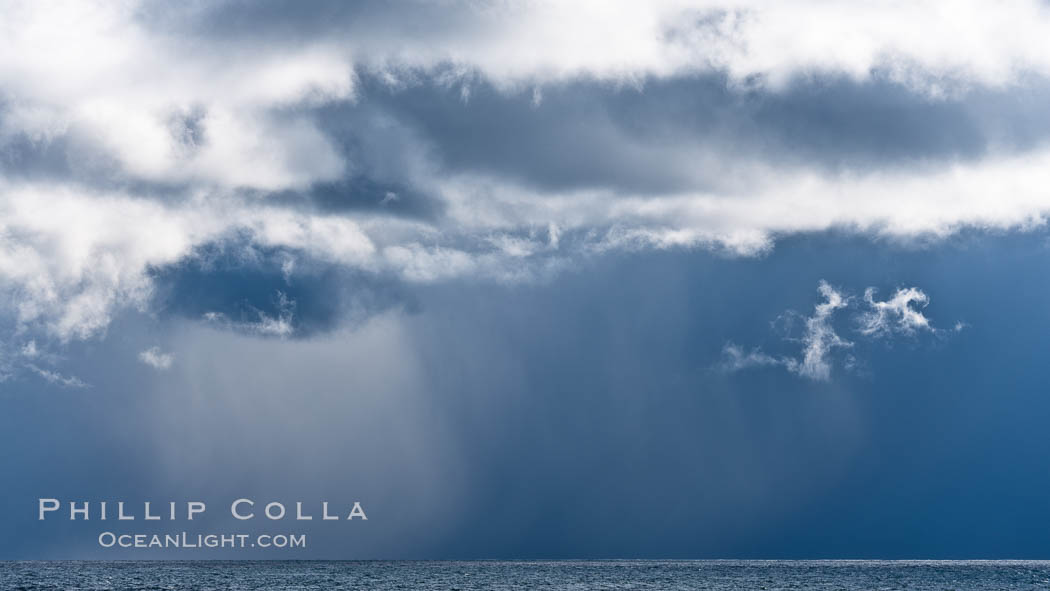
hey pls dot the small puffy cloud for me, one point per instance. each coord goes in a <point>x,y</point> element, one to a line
<point>29,350</point>
<point>156,358</point>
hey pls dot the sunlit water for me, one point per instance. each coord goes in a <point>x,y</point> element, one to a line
<point>557,575</point>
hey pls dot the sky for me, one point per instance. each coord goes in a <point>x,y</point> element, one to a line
<point>681,279</point>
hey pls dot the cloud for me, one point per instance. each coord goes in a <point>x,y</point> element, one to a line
<point>818,341</point>
<point>281,325</point>
<point>495,141</point>
<point>31,359</point>
<point>156,358</point>
<point>735,358</point>
<point>896,316</point>
<point>899,314</point>
<point>930,43</point>
<point>162,108</point>
<point>820,337</point>
<point>55,378</point>
<point>29,350</point>
<point>278,326</point>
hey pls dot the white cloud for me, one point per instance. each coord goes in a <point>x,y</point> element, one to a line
<point>820,337</point>
<point>900,313</point>
<point>53,377</point>
<point>280,325</point>
<point>90,70</point>
<point>818,340</point>
<point>29,350</point>
<point>897,315</point>
<point>70,258</point>
<point>735,358</point>
<point>752,202</point>
<point>156,358</point>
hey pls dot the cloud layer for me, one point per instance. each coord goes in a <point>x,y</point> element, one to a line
<point>450,140</point>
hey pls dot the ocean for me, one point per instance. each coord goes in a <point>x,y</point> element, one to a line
<point>550,575</point>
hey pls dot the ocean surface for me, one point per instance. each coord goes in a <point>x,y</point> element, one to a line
<point>552,575</point>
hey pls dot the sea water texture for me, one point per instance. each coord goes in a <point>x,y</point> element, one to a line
<point>550,575</point>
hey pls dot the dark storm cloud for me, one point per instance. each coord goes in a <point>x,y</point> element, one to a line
<point>636,135</point>
<point>659,135</point>
<point>24,157</point>
<point>380,153</point>
<point>287,20</point>
<point>648,135</point>
<point>643,139</point>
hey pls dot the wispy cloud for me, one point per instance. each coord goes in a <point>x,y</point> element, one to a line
<point>899,315</point>
<point>58,379</point>
<point>33,359</point>
<point>156,358</point>
<point>818,340</point>
<point>281,324</point>
<point>736,358</point>
<point>29,350</point>
<point>820,337</point>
